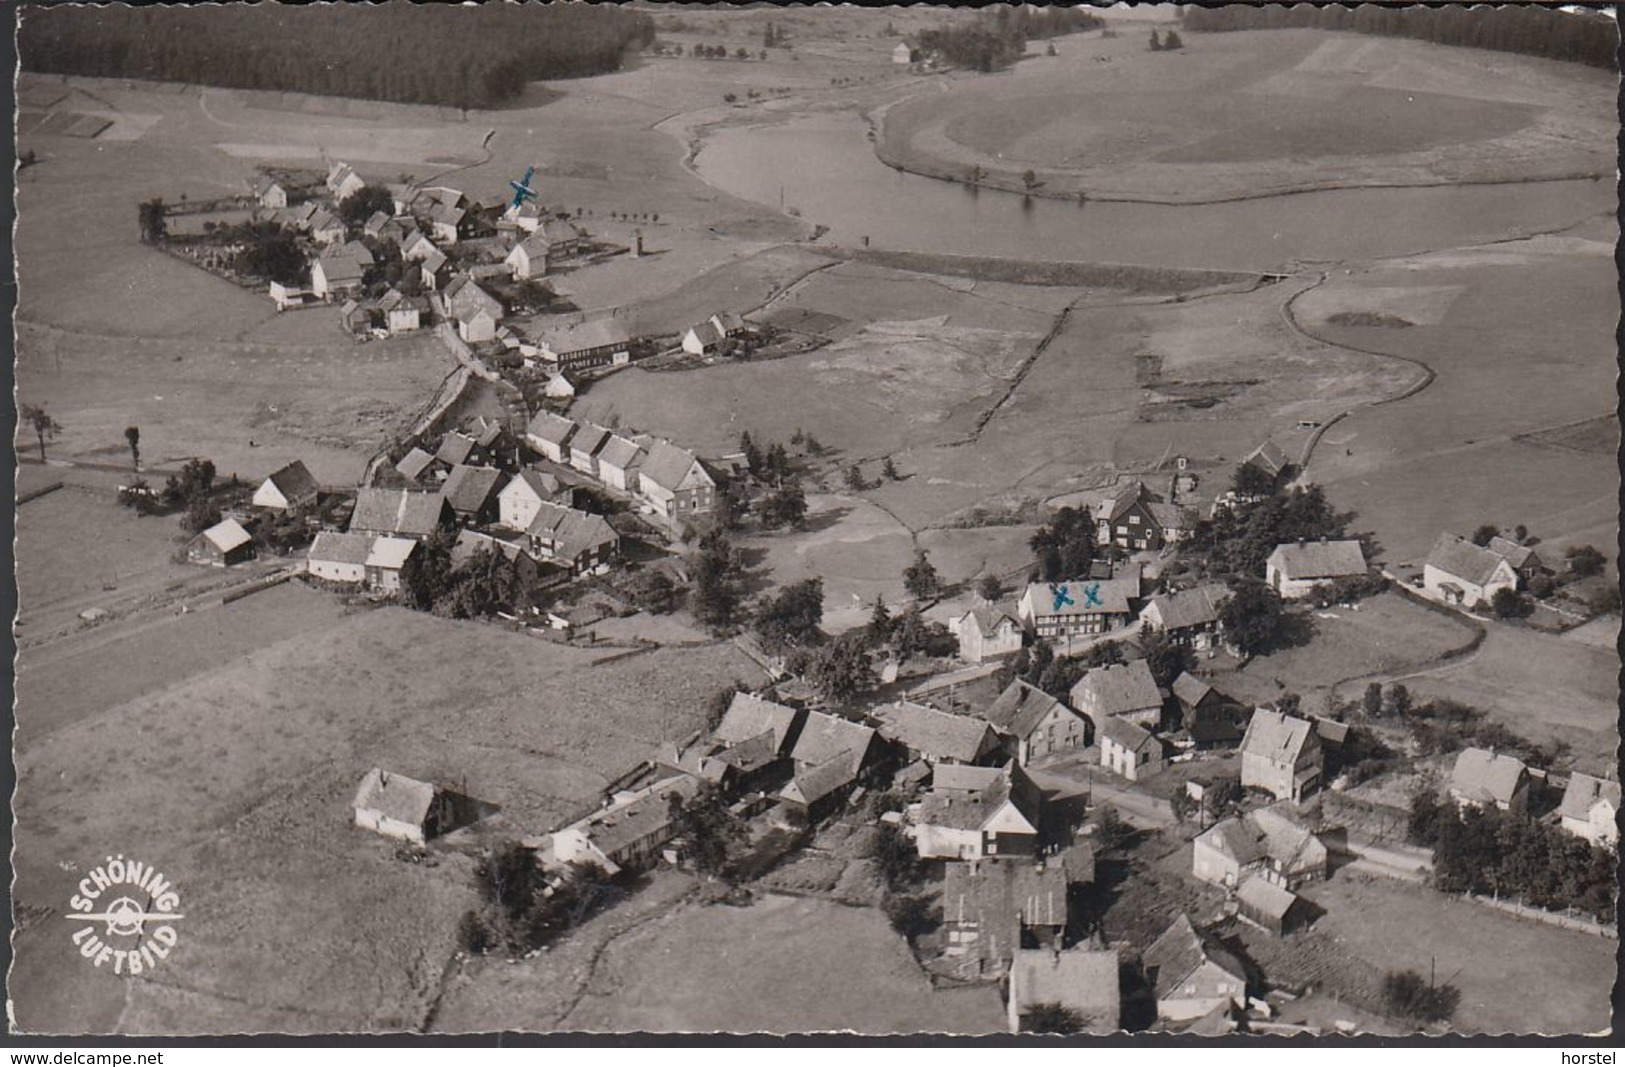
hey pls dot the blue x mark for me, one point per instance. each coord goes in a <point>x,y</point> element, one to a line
<point>1062,597</point>
<point>1091,596</point>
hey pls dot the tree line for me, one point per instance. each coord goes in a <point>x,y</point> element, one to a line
<point>457,56</point>
<point>998,39</point>
<point>1525,28</point>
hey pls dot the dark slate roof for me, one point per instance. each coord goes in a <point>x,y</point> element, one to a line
<point>1001,897</point>
<point>1265,897</point>
<point>619,452</point>
<point>588,439</point>
<point>964,798</point>
<point>468,489</point>
<point>1189,607</point>
<point>1020,708</point>
<point>604,333</point>
<point>1179,951</point>
<point>1118,689</point>
<point>1269,458</point>
<point>1189,689</point>
<point>1127,734</point>
<point>812,783</point>
<point>1462,559</point>
<point>1510,550</point>
<point>934,734</point>
<point>1263,833</point>
<point>294,480</point>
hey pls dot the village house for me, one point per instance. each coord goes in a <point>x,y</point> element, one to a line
<point>224,544</point>
<point>402,313</point>
<point>1267,905</point>
<point>1293,570</point>
<point>343,182</point>
<point>1205,713</point>
<point>1125,519</point>
<point>1080,608</point>
<point>520,500</point>
<point>417,247</point>
<point>902,54</point>
<point>1037,723</point>
<point>750,765</point>
<point>1482,777</point>
<point>447,223</point>
<point>676,483</point>
<point>731,324</point>
<point>1123,691</point>
<point>529,258</point>
<point>435,271</point>
<point>549,434</point>
<point>1129,749</point>
<point>471,493</point>
<point>585,445</point>
<point>987,631</point>
<point>454,448</point>
<point>1080,979</point>
<point>990,911</point>
<point>601,343</point>
<point>1192,975</point>
<point>815,791</point>
<point>936,736</point>
<point>287,488</point>
<point>403,808</point>
<point>564,238</point>
<point>326,228</point>
<point>703,339</point>
<point>475,311</point>
<point>1459,572</point>
<point>368,560</point>
<point>823,737</point>
<point>1268,843</point>
<point>1590,808</point>
<point>1269,458</point>
<point>749,717</point>
<point>1281,755</point>
<point>575,539</point>
<point>559,386</point>
<point>628,833</point>
<point>412,465</point>
<point>403,512</point>
<point>1189,617</point>
<point>618,463</point>
<point>271,194</point>
<point>1523,559</point>
<point>974,813</point>
<point>335,277</point>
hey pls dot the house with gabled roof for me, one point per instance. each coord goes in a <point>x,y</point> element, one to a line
<point>335,277</point>
<point>520,500</point>
<point>730,323</point>
<point>454,448</point>
<point>1268,843</point>
<point>626,834</point>
<point>575,539</point>
<point>1036,723</point>
<point>286,488</point>
<point>676,483</point>
<point>749,716</point>
<point>412,465</point>
<point>703,339</point>
<point>343,182</point>
<point>550,434</point>
<point>619,462</point>
<point>1293,570</point>
<point>404,808</point>
<point>475,311</point>
<point>823,737</point>
<point>529,257</point>
<point>600,343</point>
<point>1522,558</point>
<point>471,492</point>
<point>974,813</point>
<point>1128,749</point>
<point>1281,755</point>
<point>992,910</point>
<point>1483,777</point>
<point>1120,691</point>
<point>936,736</point>
<point>1125,519</point>
<point>435,271</point>
<point>1269,458</point>
<point>585,445</point>
<point>1191,975</point>
<point>987,631</point>
<point>271,193</point>
<point>1190,617</point>
<point>402,313</point>
<point>1266,904</point>
<point>1082,607</point>
<point>405,512</point>
<point>1083,980</point>
<point>1590,809</point>
<point>224,544</point>
<point>417,247</point>
<point>339,557</point>
<point>816,790</point>
<point>447,223</point>
<point>1206,714</point>
<point>1461,573</point>
<point>326,228</point>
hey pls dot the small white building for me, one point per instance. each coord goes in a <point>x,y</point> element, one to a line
<point>1129,749</point>
<point>902,54</point>
<point>400,807</point>
<point>292,486</point>
<point>1281,754</point>
<point>1461,573</point>
<point>1590,809</point>
<point>987,631</point>
<point>550,435</point>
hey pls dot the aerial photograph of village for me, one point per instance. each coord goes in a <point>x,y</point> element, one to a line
<point>654,517</point>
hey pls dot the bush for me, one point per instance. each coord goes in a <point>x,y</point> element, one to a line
<point>1407,995</point>
<point>1509,604</point>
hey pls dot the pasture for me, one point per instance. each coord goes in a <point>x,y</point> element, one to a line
<point>1254,113</point>
<point>236,773</point>
<point>781,965</point>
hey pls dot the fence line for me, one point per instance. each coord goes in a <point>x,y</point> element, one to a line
<point>1551,918</point>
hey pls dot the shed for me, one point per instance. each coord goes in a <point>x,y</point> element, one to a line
<point>397,806</point>
<point>221,545</point>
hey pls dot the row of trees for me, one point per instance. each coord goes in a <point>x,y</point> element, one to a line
<point>459,56</point>
<point>1488,851</point>
<point>1238,540</point>
<point>1581,37</point>
<point>998,38</point>
<point>520,911</point>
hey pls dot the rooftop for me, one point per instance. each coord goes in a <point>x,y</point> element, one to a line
<point>1313,560</point>
<point>934,734</point>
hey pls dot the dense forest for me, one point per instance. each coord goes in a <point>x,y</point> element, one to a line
<point>999,37</point>
<point>457,56</point>
<point>1525,28</point>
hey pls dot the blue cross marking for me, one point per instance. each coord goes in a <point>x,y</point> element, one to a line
<point>1062,597</point>
<point>1091,596</point>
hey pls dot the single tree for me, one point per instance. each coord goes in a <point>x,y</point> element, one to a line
<point>889,469</point>
<point>1520,533</point>
<point>920,578</point>
<point>43,424</point>
<point>1585,561</point>
<point>791,619</point>
<point>1029,180</point>
<point>879,629</point>
<point>1399,701</point>
<point>201,514</point>
<point>1511,604</point>
<point>1253,617</point>
<point>1166,658</point>
<point>364,203</point>
<point>1372,701</point>
<point>782,507</point>
<point>1171,41</point>
<point>1484,533</point>
<point>153,224</point>
<point>990,588</point>
<point>1156,42</point>
<point>1415,999</point>
<point>1252,480</point>
<point>841,669</point>
<point>132,434</point>
<point>855,480</point>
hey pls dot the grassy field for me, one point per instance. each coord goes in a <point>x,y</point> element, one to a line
<point>234,770</point>
<point>1247,114</point>
<point>781,965</point>
<point>1515,976</point>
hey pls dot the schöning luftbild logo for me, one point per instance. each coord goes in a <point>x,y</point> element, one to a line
<point>135,907</point>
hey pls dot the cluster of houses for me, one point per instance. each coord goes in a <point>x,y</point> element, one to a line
<point>1484,778</point>
<point>1462,574</point>
<point>669,482</point>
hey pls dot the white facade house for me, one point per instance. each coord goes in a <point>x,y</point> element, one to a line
<point>1293,570</point>
<point>1590,809</point>
<point>1461,573</point>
